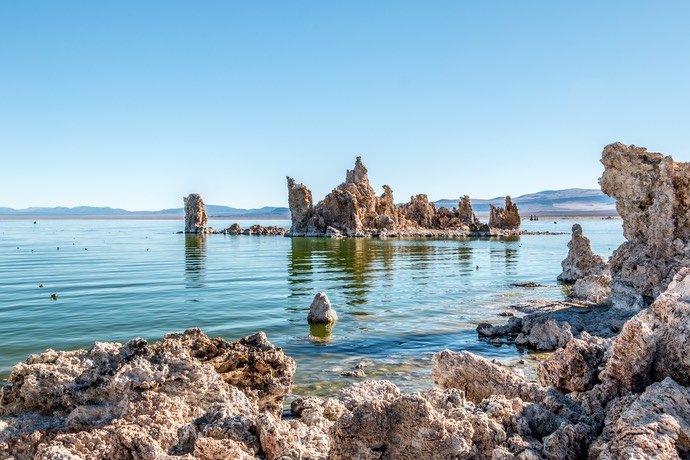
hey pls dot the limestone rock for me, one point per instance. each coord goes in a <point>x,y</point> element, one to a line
<point>321,310</point>
<point>195,217</point>
<point>652,195</point>
<point>593,288</point>
<point>654,425</point>
<point>654,344</point>
<point>300,203</point>
<point>406,427</point>
<point>581,260</point>
<point>479,378</point>
<point>353,209</point>
<point>187,394</point>
<point>539,331</point>
<point>574,367</point>
<point>507,218</point>
<point>466,213</point>
<point>419,211</point>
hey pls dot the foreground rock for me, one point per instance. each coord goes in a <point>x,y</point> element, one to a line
<point>187,394</point>
<point>653,198</point>
<point>354,209</point>
<point>195,218</point>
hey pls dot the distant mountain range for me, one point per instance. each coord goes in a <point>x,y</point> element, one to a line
<point>570,202</point>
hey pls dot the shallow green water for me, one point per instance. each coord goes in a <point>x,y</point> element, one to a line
<point>399,301</point>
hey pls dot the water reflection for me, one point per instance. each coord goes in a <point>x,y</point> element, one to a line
<point>195,259</point>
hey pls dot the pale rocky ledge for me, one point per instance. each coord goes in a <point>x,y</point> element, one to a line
<point>621,396</point>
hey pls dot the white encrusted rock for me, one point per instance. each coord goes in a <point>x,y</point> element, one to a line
<point>321,310</point>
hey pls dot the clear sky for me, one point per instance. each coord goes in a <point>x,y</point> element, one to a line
<point>134,104</point>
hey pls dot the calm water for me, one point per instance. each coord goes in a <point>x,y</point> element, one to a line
<point>399,301</point>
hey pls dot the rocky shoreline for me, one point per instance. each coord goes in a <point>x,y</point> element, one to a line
<point>616,386</point>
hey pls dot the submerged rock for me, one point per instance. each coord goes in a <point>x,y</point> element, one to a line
<point>581,260</point>
<point>321,311</point>
<point>195,217</point>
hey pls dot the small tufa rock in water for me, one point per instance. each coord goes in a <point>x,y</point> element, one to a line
<point>321,311</point>
<point>53,296</point>
<point>41,285</point>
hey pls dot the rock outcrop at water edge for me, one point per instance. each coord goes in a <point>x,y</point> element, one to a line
<point>652,195</point>
<point>507,218</point>
<point>581,260</point>
<point>195,217</point>
<point>354,209</point>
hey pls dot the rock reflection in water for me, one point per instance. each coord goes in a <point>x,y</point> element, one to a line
<point>195,259</point>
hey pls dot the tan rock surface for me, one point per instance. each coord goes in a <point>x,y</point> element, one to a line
<point>353,209</point>
<point>581,260</point>
<point>653,198</point>
<point>144,401</point>
<point>195,218</point>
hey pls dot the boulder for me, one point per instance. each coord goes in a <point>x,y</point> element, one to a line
<point>574,367</point>
<point>593,288</point>
<point>321,310</point>
<point>195,217</point>
<point>581,260</point>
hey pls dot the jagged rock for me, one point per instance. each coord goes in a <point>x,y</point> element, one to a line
<point>466,213</point>
<point>543,333</point>
<point>581,260</point>
<point>507,218</point>
<point>381,390</point>
<point>300,203</point>
<point>593,288</point>
<point>479,378</point>
<point>195,217</point>
<point>653,198</point>
<point>538,331</point>
<point>321,310</point>
<point>404,427</point>
<point>574,367</point>
<point>419,211</point>
<point>353,209</point>
<point>291,439</point>
<point>654,344</point>
<point>144,401</point>
<point>655,424</point>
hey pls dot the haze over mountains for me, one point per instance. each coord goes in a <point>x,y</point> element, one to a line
<point>569,202</point>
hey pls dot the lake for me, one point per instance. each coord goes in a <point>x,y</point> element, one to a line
<point>398,300</point>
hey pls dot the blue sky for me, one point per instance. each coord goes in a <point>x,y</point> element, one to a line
<point>135,104</point>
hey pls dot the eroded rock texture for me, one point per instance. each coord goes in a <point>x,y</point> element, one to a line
<point>507,218</point>
<point>652,195</point>
<point>581,260</point>
<point>195,217</point>
<point>354,209</point>
<point>187,394</point>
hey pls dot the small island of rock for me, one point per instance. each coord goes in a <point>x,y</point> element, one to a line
<point>354,209</point>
